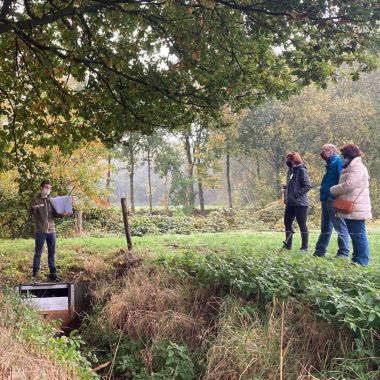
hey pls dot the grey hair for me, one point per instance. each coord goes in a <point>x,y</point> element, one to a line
<point>329,148</point>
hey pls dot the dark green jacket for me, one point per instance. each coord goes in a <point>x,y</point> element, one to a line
<point>43,216</point>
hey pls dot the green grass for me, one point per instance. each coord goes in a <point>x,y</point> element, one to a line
<point>74,254</point>
<point>26,334</point>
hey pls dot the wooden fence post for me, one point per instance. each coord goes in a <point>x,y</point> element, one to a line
<point>124,210</point>
<point>78,222</point>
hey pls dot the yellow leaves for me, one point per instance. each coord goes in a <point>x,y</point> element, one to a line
<point>78,172</point>
<point>8,181</point>
<point>217,138</point>
<point>59,71</point>
<point>108,62</point>
<point>38,106</point>
<point>195,56</point>
<point>209,4</point>
<point>295,15</point>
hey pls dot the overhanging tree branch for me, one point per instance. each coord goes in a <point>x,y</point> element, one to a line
<point>287,11</point>
<point>5,9</point>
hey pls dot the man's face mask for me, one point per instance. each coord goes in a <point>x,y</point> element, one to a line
<point>324,156</point>
<point>289,163</point>
<point>45,191</point>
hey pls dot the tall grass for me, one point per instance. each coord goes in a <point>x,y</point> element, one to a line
<point>230,334</point>
<point>248,342</point>
<point>30,348</point>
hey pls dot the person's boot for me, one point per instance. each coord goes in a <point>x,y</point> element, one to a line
<point>55,277</point>
<point>305,242</point>
<point>288,242</point>
<point>34,277</point>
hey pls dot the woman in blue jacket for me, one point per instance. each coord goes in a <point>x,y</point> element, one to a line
<point>296,200</point>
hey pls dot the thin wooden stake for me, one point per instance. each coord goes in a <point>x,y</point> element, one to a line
<point>127,229</point>
<point>78,222</point>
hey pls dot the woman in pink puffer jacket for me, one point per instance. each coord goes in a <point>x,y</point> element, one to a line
<point>354,186</point>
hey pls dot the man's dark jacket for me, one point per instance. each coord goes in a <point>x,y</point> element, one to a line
<point>298,184</point>
<point>43,216</point>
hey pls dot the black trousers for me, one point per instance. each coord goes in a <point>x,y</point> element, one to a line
<point>300,214</point>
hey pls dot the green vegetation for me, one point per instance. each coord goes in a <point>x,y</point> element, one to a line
<point>45,352</point>
<point>189,101</point>
<point>86,257</point>
<point>202,305</point>
<point>108,221</point>
<point>223,296</point>
<point>67,76</point>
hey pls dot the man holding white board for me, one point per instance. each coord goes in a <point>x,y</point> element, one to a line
<point>44,209</point>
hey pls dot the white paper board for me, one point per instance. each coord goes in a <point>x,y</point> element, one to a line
<point>62,204</point>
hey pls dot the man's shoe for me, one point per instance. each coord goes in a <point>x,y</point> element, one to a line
<point>315,254</point>
<point>286,246</point>
<point>34,276</point>
<point>341,257</point>
<point>55,277</point>
<point>303,250</point>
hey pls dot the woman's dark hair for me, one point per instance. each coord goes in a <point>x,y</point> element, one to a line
<point>351,151</point>
<point>295,157</point>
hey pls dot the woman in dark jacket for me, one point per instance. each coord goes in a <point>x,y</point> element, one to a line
<point>296,200</point>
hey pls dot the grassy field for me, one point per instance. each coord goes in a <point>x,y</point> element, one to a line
<point>82,258</point>
<point>210,305</point>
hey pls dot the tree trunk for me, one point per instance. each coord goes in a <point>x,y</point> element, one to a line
<point>127,230</point>
<point>278,184</point>
<point>228,180</point>
<point>131,187</point>
<point>166,195</point>
<point>246,189</point>
<point>190,169</point>
<point>201,197</point>
<point>258,167</point>
<point>108,183</point>
<point>131,178</point>
<point>150,184</point>
<point>78,222</point>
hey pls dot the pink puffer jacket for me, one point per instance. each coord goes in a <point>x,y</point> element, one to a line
<point>354,180</point>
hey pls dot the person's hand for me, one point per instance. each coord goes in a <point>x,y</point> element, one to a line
<point>65,213</point>
<point>38,206</point>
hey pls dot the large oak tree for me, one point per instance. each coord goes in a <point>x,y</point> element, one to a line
<point>86,69</point>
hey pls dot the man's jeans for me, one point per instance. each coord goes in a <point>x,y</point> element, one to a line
<point>328,222</point>
<point>40,239</point>
<point>360,245</point>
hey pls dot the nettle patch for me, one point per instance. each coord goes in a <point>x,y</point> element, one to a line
<point>238,316</point>
<point>343,295</point>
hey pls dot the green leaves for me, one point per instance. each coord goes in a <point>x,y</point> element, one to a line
<point>134,65</point>
<point>345,296</point>
<point>338,294</point>
<point>41,337</point>
<point>171,360</point>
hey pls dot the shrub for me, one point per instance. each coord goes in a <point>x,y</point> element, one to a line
<point>45,352</point>
<point>342,294</point>
<point>171,361</point>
